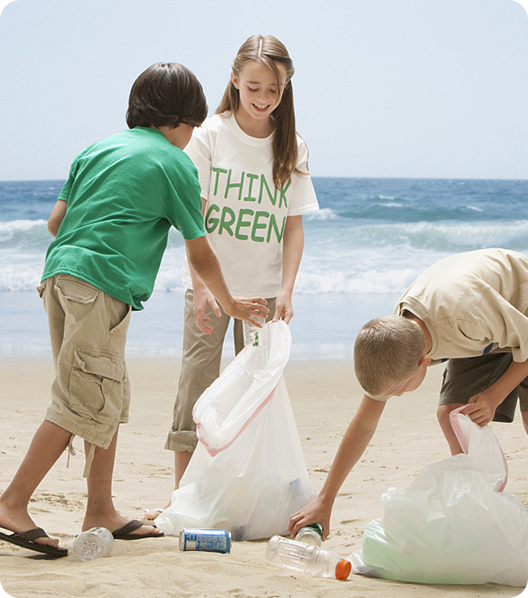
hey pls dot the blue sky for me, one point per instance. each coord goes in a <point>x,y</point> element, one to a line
<point>383,88</point>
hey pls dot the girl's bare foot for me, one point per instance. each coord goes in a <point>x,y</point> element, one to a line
<point>150,515</point>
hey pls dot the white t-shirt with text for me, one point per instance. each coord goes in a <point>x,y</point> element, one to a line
<point>245,213</point>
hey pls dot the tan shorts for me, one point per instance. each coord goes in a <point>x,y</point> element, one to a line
<point>464,378</point>
<point>88,328</point>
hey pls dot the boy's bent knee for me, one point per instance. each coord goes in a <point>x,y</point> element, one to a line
<point>443,412</point>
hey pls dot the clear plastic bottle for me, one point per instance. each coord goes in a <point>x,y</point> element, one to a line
<point>310,534</point>
<point>307,559</point>
<point>94,543</point>
<point>255,346</point>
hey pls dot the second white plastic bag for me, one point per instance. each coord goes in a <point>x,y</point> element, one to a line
<point>453,525</point>
<point>248,473</point>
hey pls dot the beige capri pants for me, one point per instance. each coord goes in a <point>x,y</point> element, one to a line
<point>202,355</point>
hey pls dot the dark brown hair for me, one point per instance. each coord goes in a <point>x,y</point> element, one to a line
<point>270,51</point>
<point>166,94</point>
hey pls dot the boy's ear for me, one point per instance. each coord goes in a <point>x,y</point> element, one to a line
<point>234,80</point>
<point>424,361</point>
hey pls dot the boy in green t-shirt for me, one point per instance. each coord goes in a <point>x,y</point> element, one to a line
<point>111,223</point>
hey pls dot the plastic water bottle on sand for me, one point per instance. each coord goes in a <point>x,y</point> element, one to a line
<point>94,543</point>
<point>310,534</point>
<point>307,559</point>
<point>255,346</point>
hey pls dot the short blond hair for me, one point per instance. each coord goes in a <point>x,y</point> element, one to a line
<point>386,353</point>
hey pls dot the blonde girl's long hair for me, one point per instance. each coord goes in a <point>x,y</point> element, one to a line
<point>270,51</point>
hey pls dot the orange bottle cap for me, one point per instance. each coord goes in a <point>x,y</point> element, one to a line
<point>343,569</point>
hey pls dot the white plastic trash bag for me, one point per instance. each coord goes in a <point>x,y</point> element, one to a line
<point>453,525</point>
<point>248,473</point>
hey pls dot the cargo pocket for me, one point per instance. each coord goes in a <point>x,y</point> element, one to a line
<point>41,288</point>
<point>119,332</point>
<point>76,290</point>
<point>96,385</point>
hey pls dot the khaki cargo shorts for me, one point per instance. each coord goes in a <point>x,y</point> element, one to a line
<point>88,328</point>
<point>464,378</point>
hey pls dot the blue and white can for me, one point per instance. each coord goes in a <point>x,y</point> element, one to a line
<point>207,540</point>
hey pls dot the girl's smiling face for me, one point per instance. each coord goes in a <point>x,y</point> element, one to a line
<point>259,92</point>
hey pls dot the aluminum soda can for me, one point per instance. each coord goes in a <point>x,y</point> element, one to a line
<point>207,540</point>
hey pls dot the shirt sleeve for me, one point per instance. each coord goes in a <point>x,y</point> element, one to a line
<point>199,150</point>
<point>189,221</point>
<point>184,212</point>
<point>183,202</point>
<point>303,199</point>
<point>501,323</point>
<point>64,194</point>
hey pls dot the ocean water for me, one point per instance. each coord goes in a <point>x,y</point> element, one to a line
<point>366,244</point>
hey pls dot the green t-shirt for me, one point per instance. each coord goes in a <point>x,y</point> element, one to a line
<point>123,195</point>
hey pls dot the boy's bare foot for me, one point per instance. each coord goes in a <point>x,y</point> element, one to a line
<point>19,521</point>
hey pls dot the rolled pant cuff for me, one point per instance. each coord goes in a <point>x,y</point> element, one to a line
<point>181,441</point>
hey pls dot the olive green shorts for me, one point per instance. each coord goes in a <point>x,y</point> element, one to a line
<point>88,328</point>
<point>464,378</point>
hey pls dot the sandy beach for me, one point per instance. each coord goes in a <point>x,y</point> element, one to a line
<point>324,397</point>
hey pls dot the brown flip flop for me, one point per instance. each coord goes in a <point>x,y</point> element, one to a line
<point>27,540</point>
<point>124,533</point>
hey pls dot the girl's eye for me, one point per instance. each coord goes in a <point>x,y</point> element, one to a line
<point>251,89</point>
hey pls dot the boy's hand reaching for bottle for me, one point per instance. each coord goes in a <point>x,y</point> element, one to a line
<point>314,512</point>
<point>242,309</point>
<point>247,309</point>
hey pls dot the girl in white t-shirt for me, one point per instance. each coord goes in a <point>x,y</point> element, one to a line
<point>255,184</point>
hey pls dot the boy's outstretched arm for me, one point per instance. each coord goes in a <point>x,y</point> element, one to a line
<point>57,216</point>
<point>202,297</point>
<point>353,445</point>
<point>205,263</point>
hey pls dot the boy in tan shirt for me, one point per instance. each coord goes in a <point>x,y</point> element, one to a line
<point>469,310</point>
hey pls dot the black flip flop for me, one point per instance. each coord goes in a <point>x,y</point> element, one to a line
<point>27,540</point>
<point>124,533</point>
